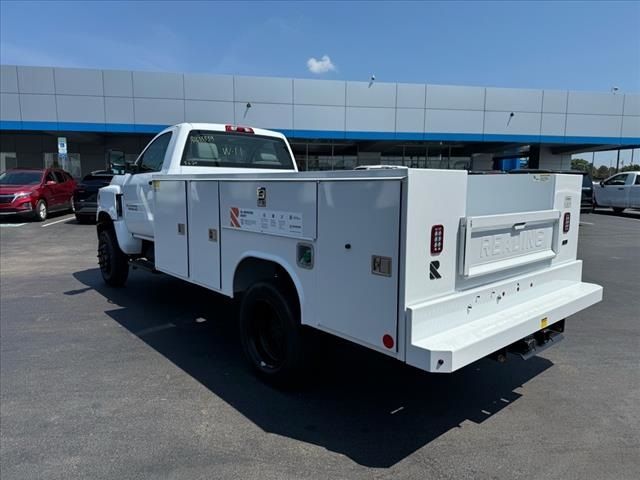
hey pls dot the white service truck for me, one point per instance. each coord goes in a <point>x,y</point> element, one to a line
<point>436,268</point>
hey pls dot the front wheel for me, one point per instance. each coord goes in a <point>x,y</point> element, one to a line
<point>271,334</point>
<point>41,211</point>
<point>114,264</point>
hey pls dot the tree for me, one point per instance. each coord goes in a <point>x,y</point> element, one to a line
<point>602,172</point>
<point>581,164</point>
<point>631,168</point>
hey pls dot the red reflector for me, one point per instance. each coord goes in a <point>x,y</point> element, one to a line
<point>566,223</point>
<point>387,341</point>
<point>437,238</point>
<point>236,129</point>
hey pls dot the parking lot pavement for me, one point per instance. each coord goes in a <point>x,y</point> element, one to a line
<point>148,382</point>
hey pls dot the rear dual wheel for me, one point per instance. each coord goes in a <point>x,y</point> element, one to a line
<point>271,334</point>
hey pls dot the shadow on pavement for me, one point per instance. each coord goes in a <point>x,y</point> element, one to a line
<point>373,409</point>
<point>628,213</point>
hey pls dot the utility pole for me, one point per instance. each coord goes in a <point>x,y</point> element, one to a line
<point>618,162</point>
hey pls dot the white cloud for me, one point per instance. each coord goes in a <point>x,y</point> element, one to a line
<point>323,65</point>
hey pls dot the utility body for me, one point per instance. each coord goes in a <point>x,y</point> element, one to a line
<point>436,268</point>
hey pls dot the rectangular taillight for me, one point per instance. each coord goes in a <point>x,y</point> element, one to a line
<point>236,129</point>
<point>566,222</point>
<point>437,239</point>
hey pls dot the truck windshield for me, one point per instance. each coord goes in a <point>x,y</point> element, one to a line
<point>206,148</point>
<point>20,178</point>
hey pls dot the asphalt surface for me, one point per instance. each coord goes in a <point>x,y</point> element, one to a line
<point>148,382</point>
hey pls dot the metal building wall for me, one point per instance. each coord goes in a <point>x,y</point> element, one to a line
<point>59,99</point>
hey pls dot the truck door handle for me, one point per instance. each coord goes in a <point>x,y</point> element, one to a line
<point>620,188</point>
<point>519,226</point>
<point>150,182</point>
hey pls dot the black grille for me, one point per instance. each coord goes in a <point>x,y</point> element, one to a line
<point>6,198</point>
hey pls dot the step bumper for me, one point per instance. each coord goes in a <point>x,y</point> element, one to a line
<point>449,349</point>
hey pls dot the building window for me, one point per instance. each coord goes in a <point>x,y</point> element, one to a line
<point>320,156</point>
<point>8,160</point>
<point>300,154</point>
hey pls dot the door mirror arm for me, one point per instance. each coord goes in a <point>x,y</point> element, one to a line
<point>131,168</point>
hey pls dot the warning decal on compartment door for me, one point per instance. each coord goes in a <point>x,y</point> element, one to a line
<point>266,221</point>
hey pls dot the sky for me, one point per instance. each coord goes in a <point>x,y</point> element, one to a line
<point>573,45</point>
<point>568,45</point>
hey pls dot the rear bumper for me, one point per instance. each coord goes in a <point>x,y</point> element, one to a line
<point>450,332</point>
<point>86,208</point>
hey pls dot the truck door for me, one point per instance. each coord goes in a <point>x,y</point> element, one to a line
<point>634,193</point>
<point>138,191</point>
<point>615,190</point>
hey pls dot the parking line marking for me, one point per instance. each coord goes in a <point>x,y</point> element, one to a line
<point>586,223</point>
<point>12,224</point>
<point>57,221</point>
<point>157,328</point>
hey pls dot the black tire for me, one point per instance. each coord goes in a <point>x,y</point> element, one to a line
<point>114,264</point>
<point>41,212</point>
<point>271,334</point>
<point>618,209</point>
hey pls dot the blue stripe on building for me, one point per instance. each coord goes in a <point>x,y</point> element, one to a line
<point>326,134</point>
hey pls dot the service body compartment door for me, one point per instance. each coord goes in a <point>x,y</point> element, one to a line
<point>204,233</point>
<point>286,209</point>
<point>170,227</point>
<point>357,260</point>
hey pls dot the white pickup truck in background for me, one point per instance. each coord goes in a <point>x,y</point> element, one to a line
<point>619,191</point>
<point>436,268</point>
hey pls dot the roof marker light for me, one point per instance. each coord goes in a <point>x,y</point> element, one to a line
<point>237,129</point>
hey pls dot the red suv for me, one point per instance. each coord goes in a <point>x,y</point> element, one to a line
<point>35,192</point>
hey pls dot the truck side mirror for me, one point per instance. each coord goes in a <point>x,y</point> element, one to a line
<point>602,183</point>
<point>130,167</point>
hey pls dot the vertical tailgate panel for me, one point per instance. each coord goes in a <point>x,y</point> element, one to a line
<point>492,243</point>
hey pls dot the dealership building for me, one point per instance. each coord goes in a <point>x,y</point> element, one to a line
<point>107,116</point>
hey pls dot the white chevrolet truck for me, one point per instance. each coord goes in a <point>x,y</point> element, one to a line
<point>436,268</point>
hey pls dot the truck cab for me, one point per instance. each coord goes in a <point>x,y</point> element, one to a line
<point>619,191</point>
<point>189,148</point>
